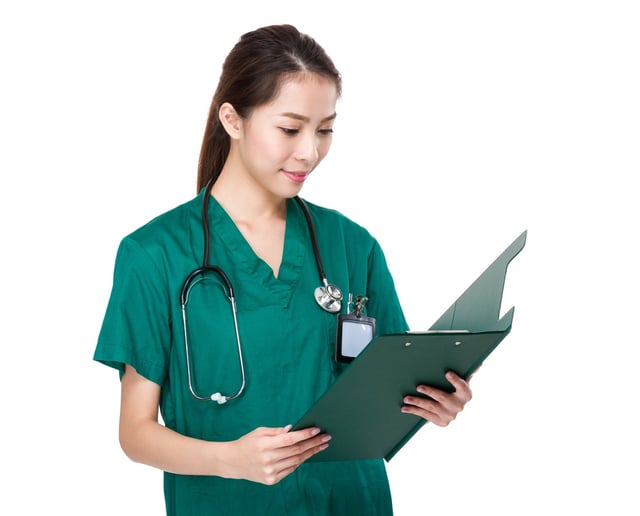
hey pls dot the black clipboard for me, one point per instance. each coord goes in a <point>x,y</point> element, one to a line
<point>361,410</point>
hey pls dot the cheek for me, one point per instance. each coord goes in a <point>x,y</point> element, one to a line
<point>269,150</point>
<point>323,148</point>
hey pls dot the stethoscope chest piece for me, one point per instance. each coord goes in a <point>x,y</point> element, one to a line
<point>329,297</point>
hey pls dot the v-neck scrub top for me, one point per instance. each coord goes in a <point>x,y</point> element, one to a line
<point>288,345</point>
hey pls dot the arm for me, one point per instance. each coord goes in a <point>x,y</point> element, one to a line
<point>264,455</point>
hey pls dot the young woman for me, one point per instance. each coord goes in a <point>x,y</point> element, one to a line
<point>228,387</point>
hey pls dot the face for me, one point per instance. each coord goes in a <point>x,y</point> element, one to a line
<point>282,142</point>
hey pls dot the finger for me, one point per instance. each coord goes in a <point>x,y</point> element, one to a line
<point>461,386</point>
<point>451,402</point>
<point>294,444</point>
<point>437,405</point>
<point>429,408</point>
<point>434,416</point>
<point>455,380</point>
<point>301,453</point>
<point>267,431</point>
<point>435,398</point>
<point>307,449</point>
<point>286,437</point>
<point>292,438</point>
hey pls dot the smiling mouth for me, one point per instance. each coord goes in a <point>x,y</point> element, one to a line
<point>296,177</point>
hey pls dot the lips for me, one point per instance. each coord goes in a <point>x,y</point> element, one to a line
<point>296,177</point>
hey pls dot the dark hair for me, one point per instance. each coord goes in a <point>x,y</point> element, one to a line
<point>251,76</point>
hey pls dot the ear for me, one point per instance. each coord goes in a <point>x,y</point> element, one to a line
<point>230,120</point>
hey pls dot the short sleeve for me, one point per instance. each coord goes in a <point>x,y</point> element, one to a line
<point>383,301</point>
<point>136,326</point>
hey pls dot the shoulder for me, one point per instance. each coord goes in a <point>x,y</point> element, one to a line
<point>174,220</point>
<point>164,234</point>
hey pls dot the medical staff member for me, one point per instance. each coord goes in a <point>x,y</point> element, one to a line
<point>222,319</point>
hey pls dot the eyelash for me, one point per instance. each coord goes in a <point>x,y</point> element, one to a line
<point>292,132</point>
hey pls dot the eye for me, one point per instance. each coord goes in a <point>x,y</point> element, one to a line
<point>326,132</point>
<point>289,131</point>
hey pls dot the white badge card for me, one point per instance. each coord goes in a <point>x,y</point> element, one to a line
<point>354,333</point>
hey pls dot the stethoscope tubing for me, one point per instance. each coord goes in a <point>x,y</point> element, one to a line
<point>184,298</point>
<point>328,296</point>
<point>314,240</point>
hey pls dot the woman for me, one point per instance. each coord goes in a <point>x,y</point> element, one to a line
<point>269,127</point>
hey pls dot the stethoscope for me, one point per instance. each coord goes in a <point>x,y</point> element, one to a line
<point>328,296</point>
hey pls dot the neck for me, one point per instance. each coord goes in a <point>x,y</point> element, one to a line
<point>244,202</point>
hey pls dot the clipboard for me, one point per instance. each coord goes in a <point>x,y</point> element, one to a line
<point>361,410</point>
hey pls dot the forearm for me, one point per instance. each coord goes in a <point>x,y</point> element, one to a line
<point>263,455</point>
<point>151,443</point>
<point>145,440</point>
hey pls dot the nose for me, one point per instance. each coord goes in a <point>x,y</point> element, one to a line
<point>307,148</point>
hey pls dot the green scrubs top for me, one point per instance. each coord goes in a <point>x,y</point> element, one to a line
<point>288,345</point>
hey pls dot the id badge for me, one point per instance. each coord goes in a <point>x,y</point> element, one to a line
<point>354,332</point>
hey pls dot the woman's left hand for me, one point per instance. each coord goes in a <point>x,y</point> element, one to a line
<point>440,407</point>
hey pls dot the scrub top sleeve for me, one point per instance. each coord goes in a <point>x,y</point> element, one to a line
<point>383,302</point>
<point>136,328</point>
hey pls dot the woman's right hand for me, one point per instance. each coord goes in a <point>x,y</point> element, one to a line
<point>267,455</point>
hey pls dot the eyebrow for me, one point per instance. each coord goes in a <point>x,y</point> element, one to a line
<point>303,118</point>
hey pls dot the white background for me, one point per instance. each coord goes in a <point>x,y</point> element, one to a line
<point>462,124</point>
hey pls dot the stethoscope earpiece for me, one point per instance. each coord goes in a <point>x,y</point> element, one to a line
<point>219,398</point>
<point>329,297</point>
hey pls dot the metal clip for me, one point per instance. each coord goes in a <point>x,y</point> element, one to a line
<point>359,306</point>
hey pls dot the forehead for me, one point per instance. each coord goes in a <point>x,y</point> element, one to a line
<point>307,94</point>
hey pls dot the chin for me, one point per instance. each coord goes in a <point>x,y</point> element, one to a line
<point>288,193</point>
